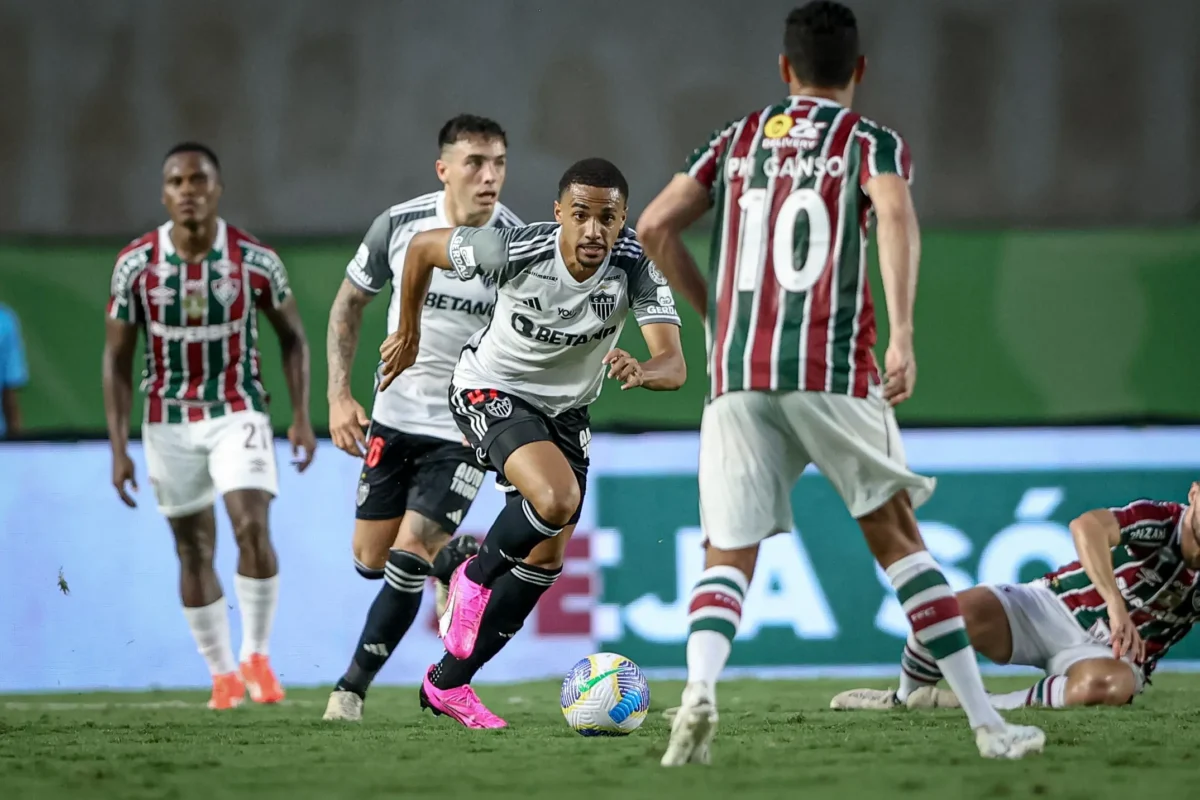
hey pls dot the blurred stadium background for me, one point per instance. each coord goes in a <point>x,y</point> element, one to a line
<point>1057,178</point>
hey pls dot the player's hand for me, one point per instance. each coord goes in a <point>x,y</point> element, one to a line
<point>399,352</point>
<point>1125,636</point>
<point>900,371</point>
<point>304,444</point>
<point>348,426</point>
<point>624,368</point>
<point>122,473</point>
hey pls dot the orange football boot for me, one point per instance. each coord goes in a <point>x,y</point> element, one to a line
<point>261,681</point>
<point>228,692</point>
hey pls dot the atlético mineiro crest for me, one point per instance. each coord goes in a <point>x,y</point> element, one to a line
<point>603,303</point>
<point>364,489</point>
<point>499,407</point>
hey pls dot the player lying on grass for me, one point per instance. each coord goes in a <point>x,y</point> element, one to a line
<point>1097,626</point>
<point>521,391</point>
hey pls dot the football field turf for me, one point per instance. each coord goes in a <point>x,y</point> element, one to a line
<point>776,739</point>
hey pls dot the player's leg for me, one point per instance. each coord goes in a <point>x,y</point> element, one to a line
<point>446,689</point>
<point>748,464</point>
<point>988,630</point>
<point>243,467</point>
<point>857,446</point>
<point>182,485</point>
<point>518,442</point>
<point>1080,670</point>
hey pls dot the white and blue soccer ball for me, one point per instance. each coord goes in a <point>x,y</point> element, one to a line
<point>605,695</point>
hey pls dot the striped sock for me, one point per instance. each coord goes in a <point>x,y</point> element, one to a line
<point>714,613</point>
<point>937,625</point>
<point>1049,692</point>
<point>918,668</point>
<point>389,618</point>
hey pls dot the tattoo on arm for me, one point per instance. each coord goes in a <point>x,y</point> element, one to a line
<point>345,322</point>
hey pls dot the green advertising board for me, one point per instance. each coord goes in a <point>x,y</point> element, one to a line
<point>999,515</point>
<point>1012,327</point>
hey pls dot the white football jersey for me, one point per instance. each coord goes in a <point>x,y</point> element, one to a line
<point>550,332</point>
<point>418,401</point>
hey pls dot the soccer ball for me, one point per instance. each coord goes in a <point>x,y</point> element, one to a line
<point>605,695</point>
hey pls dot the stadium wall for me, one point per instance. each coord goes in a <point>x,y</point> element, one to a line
<point>1013,328</point>
<point>89,596</point>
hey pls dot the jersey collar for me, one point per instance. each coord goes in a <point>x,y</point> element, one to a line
<point>166,247</point>
<point>444,220</point>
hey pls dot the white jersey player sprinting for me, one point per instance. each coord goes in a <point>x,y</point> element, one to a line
<point>418,479</point>
<point>520,395</point>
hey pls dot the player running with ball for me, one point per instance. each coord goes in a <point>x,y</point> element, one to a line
<point>418,478</point>
<point>1097,626</point>
<point>794,379</point>
<point>521,391</point>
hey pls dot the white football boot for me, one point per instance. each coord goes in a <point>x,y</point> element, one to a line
<point>345,706</point>
<point>1011,741</point>
<point>866,700</point>
<point>693,727</point>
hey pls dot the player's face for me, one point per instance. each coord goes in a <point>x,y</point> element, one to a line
<point>191,189</point>
<point>591,220</point>
<point>473,170</point>
<point>1189,539</point>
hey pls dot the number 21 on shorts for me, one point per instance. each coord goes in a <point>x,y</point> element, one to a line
<point>753,203</point>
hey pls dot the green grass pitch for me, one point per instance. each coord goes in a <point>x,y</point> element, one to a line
<point>776,739</point>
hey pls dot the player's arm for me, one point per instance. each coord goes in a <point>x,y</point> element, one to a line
<point>664,371</point>
<point>1096,533</point>
<point>284,317</point>
<point>685,199</point>
<point>467,251</point>
<point>660,230</point>
<point>120,341</point>
<point>886,176</point>
<point>366,275</point>
<point>653,306</point>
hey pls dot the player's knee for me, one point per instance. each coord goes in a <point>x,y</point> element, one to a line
<point>1100,690</point>
<point>422,537</point>
<point>251,531</point>
<point>369,558</point>
<point>195,554</point>
<point>556,502</point>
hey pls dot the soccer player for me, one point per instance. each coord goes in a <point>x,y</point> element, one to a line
<point>195,287</point>
<point>793,376</point>
<point>418,478</point>
<point>1097,626</point>
<point>521,391</point>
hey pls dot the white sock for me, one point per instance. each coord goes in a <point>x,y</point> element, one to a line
<point>210,629</point>
<point>1049,692</point>
<point>714,613</point>
<point>937,625</point>
<point>257,598</point>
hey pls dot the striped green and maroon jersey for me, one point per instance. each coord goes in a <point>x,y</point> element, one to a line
<point>1160,590</point>
<point>200,321</point>
<point>789,304</point>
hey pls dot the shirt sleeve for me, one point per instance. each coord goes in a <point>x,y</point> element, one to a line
<point>650,297</point>
<point>499,253</point>
<point>123,301</point>
<point>15,373</point>
<point>884,152</point>
<point>371,269</point>
<point>706,162</point>
<point>1148,523</point>
<point>272,288</point>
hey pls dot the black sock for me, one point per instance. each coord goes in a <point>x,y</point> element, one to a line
<point>517,530</point>
<point>514,596</point>
<point>390,617</point>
